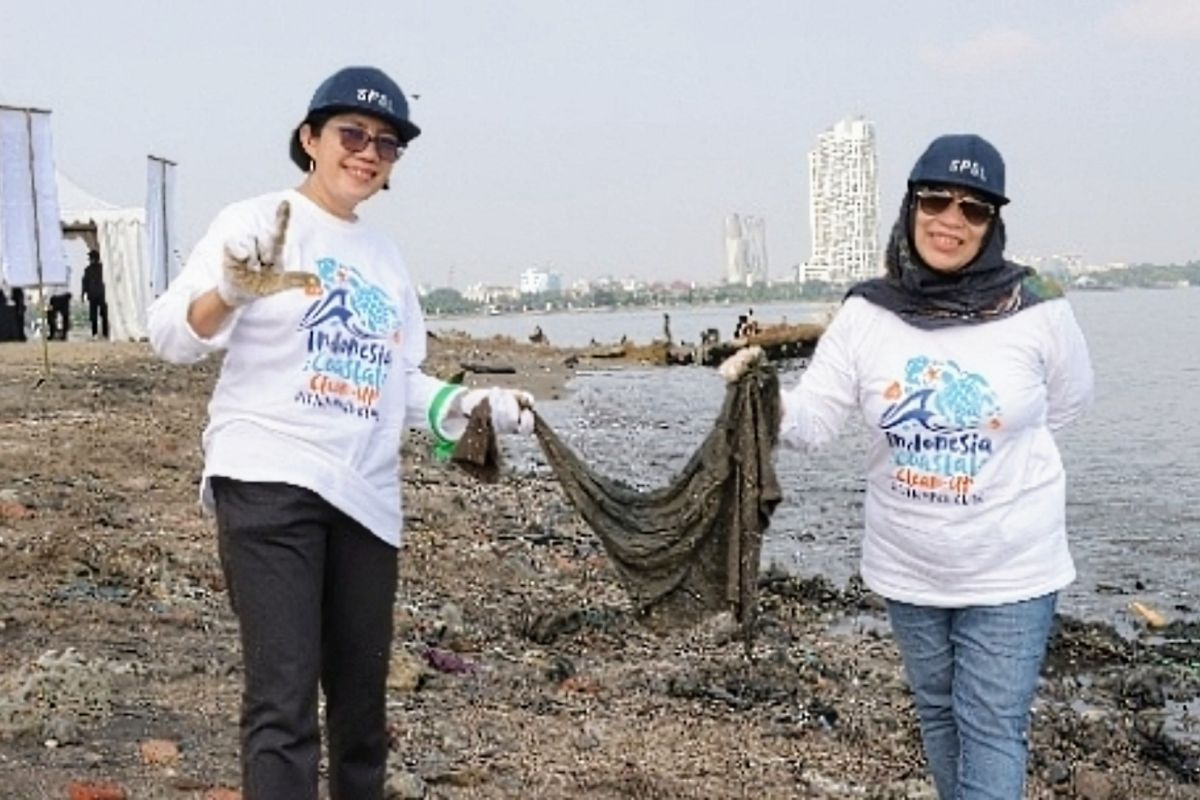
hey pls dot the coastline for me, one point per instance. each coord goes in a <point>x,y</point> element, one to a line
<point>519,667</point>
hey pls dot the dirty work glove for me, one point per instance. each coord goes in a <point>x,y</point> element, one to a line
<point>252,266</point>
<point>512,409</point>
<point>733,368</point>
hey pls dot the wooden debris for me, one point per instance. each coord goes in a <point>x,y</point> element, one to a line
<point>776,341</point>
<point>488,369</point>
<point>1148,614</point>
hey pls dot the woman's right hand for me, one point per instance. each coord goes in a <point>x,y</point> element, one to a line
<point>252,266</point>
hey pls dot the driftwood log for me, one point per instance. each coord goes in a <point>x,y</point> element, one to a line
<point>488,369</point>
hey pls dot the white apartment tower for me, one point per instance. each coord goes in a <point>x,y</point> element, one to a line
<point>844,204</point>
<point>735,250</point>
<point>539,281</point>
<point>745,250</point>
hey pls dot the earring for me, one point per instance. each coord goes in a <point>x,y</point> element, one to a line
<point>312,165</point>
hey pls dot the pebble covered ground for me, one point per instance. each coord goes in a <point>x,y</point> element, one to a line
<point>519,668</point>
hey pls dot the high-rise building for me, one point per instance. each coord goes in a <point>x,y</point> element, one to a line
<point>735,250</point>
<point>755,229</point>
<point>844,204</point>
<point>540,281</point>
<point>745,250</point>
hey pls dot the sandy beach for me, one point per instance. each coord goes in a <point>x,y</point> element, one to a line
<point>519,667</point>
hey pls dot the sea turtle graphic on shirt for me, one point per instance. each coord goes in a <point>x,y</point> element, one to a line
<point>940,396</point>
<point>349,300</point>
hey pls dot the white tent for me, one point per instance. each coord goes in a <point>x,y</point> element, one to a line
<point>119,236</point>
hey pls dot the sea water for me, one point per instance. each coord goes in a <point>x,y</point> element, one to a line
<point>1133,462</point>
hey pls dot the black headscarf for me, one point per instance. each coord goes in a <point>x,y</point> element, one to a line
<point>988,288</point>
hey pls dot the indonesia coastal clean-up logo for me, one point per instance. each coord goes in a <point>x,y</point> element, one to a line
<point>352,329</point>
<point>937,427</point>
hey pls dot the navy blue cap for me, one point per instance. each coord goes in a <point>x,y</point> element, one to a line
<point>962,159</point>
<point>365,90</point>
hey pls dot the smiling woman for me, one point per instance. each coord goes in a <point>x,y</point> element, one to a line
<point>949,227</point>
<point>964,365</point>
<point>356,128</point>
<point>324,341</point>
<point>345,168</point>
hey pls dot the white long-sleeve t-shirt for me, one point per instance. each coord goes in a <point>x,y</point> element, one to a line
<point>966,492</point>
<point>315,388</point>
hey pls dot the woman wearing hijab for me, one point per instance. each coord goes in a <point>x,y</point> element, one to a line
<point>963,366</point>
<point>323,339</point>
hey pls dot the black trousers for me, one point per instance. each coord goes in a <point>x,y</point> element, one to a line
<point>313,592</point>
<point>58,317</point>
<point>10,326</point>
<point>98,313</point>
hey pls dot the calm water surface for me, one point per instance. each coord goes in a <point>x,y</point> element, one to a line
<point>1132,461</point>
<point>577,329</point>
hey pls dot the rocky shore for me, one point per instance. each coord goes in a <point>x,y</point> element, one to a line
<point>519,669</point>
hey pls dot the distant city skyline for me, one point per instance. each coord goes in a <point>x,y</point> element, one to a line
<point>615,138</point>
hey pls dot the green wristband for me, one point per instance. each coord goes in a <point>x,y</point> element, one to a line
<point>444,445</point>
<point>443,449</point>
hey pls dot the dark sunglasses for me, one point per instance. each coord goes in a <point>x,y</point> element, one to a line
<point>356,140</point>
<point>935,201</point>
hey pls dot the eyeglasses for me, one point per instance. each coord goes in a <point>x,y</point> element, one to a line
<point>356,140</point>
<point>934,201</point>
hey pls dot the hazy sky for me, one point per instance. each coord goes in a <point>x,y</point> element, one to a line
<point>613,136</point>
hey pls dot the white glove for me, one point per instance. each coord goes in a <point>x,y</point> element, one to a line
<point>512,409</point>
<point>733,368</point>
<point>252,266</point>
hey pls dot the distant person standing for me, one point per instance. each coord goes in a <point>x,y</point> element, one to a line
<point>93,292</point>
<point>8,321</point>
<point>739,329</point>
<point>18,301</point>
<point>751,327</point>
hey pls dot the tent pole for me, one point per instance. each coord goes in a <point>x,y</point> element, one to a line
<point>166,260</point>
<point>162,259</point>
<point>37,250</point>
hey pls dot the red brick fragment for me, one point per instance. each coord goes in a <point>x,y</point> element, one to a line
<point>84,790</point>
<point>222,794</point>
<point>10,510</point>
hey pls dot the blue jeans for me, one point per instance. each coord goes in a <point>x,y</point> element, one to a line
<point>974,672</point>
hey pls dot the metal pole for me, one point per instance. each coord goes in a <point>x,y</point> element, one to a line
<point>162,200</point>
<point>163,258</point>
<point>37,245</point>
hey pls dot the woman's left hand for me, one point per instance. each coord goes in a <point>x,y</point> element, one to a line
<point>735,366</point>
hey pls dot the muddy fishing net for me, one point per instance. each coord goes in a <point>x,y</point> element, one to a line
<point>691,548</point>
